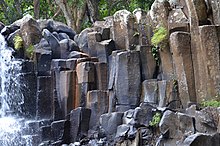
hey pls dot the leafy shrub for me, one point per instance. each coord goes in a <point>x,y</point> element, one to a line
<point>29,51</point>
<point>160,35</point>
<point>211,103</point>
<point>156,120</point>
<point>18,42</point>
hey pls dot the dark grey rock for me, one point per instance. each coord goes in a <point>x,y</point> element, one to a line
<point>29,90</point>
<point>97,101</point>
<point>82,40</point>
<point>64,49</point>
<point>73,46</point>
<point>27,66</point>
<point>63,36</point>
<point>105,32</point>
<point>54,43</point>
<point>44,108</point>
<point>43,62</point>
<point>79,123</point>
<point>104,50</point>
<point>150,91</point>
<point>58,27</point>
<point>7,30</point>
<point>45,133</point>
<point>10,39</point>
<point>127,72</point>
<point>60,131</point>
<point>110,122</point>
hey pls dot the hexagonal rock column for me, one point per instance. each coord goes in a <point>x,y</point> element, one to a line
<point>97,101</point>
<point>197,15</point>
<point>79,123</point>
<point>93,38</point>
<point>44,108</point>
<point>101,76</point>
<point>183,65</point>
<point>210,55</point>
<point>85,81</point>
<point>67,91</point>
<point>124,29</point>
<point>127,79</point>
<point>148,63</point>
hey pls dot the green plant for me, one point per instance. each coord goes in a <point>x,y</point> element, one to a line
<point>175,85</point>
<point>156,120</point>
<point>18,42</point>
<point>160,35</point>
<point>211,103</point>
<point>29,51</point>
<point>155,53</point>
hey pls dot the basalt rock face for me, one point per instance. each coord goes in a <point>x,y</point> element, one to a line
<point>105,85</point>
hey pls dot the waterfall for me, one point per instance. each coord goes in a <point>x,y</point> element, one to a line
<point>11,97</point>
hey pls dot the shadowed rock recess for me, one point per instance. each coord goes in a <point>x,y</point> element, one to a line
<point>135,79</point>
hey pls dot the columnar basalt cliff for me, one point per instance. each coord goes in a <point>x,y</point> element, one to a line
<point>111,83</point>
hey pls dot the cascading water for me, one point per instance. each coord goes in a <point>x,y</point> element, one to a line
<point>11,97</point>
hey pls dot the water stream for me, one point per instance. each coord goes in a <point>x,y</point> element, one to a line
<point>11,98</point>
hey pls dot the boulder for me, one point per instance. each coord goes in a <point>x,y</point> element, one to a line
<point>110,122</point>
<point>30,32</point>
<point>54,43</point>
<point>56,26</point>
<point>82,40</point>
<point>202,140</point>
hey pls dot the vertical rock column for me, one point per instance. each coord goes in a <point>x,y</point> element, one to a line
<point>210,53</point>
<point>93,38</point>
<point>85,81</point>
<point>148,63</point>
<point>197,15</point>
<point>97,101</point>
<point>44,98</point>
<point>67,90</point>
<point>182,59</point>
<point>64,86</point>
<point>127,80</point>
<point>124,30</point>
